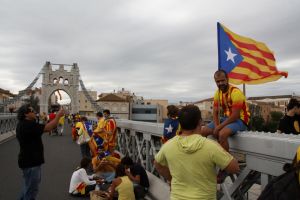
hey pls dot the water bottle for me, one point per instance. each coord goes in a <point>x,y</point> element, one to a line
<point>97,188</point>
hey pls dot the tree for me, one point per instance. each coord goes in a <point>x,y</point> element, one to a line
<point>34,102</point>
<point>272,125</point>
<point>257,123</point>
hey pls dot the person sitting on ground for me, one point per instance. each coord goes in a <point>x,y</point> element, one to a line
<point>122,184</point>
<point>171,124</point>
<point>138,175</point>
<point>104,165</point>
<point>289,123</point>
<point>189,160</point>
<point>81,184</point>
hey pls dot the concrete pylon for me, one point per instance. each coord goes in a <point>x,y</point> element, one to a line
<point>60,79</point>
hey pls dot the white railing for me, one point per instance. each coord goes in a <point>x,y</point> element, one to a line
<point>8,123</point>
<point>264,153</point>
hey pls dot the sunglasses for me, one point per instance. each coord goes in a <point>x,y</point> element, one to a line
<point>31,110</point>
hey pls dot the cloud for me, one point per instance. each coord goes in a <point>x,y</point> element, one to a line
<point>157,49</point>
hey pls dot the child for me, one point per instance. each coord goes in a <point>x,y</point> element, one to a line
<point>122,184</point>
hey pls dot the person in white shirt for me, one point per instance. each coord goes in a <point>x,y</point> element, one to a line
<point>81,184</point>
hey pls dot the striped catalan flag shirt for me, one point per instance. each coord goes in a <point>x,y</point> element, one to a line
<point>246,60</point>
<point>233,98</point>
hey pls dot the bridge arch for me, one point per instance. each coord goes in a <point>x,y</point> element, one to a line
<point>59,90</point>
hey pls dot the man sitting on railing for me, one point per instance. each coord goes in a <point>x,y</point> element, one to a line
<point>188,161</point>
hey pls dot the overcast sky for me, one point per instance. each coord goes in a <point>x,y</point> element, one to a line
<point>165,49</point>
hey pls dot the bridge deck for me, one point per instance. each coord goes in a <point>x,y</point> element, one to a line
<point>62,156</point>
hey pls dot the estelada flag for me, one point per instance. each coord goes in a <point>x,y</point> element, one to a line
<point>246,60</point>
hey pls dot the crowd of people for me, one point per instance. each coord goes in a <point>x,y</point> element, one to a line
<point>191,162</point>
<point>117,178</point>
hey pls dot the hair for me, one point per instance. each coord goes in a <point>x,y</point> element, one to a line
<point>220,71</point>
<point>85,162</point>
<point>172,111</point>
<point>99,114</point>
<point>127,161</point>
<point>120,170</point>
<point>293,103</point>
<point>24,109</point>
<point>106,111</point>
<point>189,117</point>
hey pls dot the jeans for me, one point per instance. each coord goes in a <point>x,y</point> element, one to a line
<point>32,179</point>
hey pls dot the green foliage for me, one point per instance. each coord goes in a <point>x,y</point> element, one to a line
<point>257,123</point>
<point>276,116</point>
<point>34,102</point>
<point>272,125</point>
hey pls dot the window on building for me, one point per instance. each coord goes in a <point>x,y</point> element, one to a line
<point>144,110</point>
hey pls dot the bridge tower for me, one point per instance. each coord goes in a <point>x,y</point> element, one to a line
<point>60,79</point>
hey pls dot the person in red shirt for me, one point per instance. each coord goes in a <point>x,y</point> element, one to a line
<point>52,116</point>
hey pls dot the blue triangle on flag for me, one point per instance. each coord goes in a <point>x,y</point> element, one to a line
<point>229,57</point>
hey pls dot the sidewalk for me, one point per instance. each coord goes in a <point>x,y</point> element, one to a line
<point>7,136</point>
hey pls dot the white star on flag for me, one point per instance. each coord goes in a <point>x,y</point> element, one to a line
<point>169,129</point>
<point>230,55</point>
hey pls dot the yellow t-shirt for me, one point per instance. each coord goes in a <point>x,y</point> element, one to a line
<point>192,162</point>
<point>61,120</point>
<point>125,189</point>
<point>100,127</point>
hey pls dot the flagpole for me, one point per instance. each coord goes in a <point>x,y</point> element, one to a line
<point>219,67</point>
<point>244,89</point>
<point>219,48</point>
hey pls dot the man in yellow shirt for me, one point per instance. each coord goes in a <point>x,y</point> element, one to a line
<point>232,102</point>
<point>188,160</point>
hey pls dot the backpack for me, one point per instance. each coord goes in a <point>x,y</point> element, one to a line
<point>285,186</point>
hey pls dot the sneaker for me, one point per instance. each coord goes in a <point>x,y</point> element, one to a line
<point>221,176</point>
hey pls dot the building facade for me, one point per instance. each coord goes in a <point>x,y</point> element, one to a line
<point>118,105</point>
<point>85,106</point>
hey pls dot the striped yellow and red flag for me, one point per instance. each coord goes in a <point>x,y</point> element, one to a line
<point>246,60</point>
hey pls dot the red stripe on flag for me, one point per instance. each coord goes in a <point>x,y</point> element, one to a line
<point>259,60</point>
<point>251,47</point>
<point>243,77</point>
<point>254,69</point>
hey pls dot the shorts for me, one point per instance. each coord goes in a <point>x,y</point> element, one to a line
<point>235,126</point>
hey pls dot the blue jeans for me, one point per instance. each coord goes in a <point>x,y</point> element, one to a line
<point>108,176</point>
<point>32,179</point>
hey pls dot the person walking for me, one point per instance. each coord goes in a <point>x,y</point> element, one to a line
<point>31,156</point>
